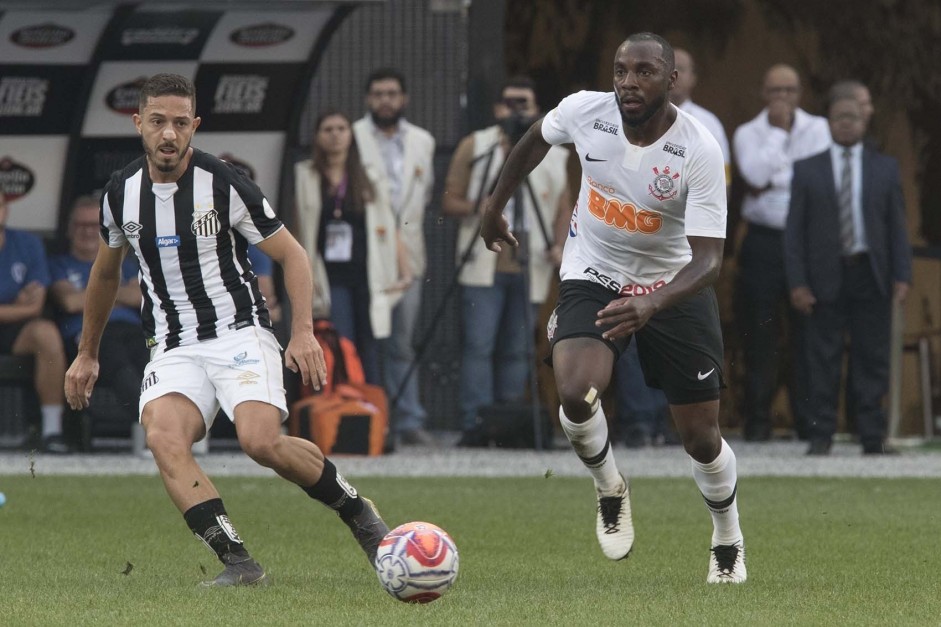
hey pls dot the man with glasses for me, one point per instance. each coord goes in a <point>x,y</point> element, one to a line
<point>848,258</point>
<point>123,353</point>
<point>765,150</point>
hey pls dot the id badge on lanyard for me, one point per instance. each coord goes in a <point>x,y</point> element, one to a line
<point>338,241</point>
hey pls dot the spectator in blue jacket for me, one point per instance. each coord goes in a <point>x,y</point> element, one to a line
<point>24,277</point>
<point>123,352</point>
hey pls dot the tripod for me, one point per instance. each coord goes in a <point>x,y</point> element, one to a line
<point>466,254</point>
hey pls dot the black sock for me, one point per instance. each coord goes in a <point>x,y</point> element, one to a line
<point>210,523</point>
<point>333,491</point>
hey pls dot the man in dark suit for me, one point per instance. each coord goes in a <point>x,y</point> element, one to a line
<point>847,256</point>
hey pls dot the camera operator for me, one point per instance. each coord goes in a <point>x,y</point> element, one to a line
<point>498,289</point>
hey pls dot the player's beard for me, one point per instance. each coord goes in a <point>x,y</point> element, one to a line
<point>644,116</point>
<point>163,166</point>
<point>386,121</point>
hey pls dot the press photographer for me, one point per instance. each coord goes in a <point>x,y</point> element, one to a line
<point>501,293</point>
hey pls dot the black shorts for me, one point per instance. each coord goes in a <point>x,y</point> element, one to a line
<point>8,334</point>
<point>680,348</point>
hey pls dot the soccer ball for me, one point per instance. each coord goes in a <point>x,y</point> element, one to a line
<point>417,562</point>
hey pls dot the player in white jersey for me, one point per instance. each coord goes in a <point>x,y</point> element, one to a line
<point>234,365</point>
<point>644,247</point>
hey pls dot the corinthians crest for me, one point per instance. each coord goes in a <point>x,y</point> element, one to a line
<point>206,223</point>
<point>664,184</point>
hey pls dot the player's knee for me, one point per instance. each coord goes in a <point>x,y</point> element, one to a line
<point>167,443</point>
<point>261,449</point>
<point>703,445</point>
<point>572,396</point>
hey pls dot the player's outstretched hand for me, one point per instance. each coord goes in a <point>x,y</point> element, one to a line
<point>80,381</point>
<point>625,316</point>
<point>494,229</point>
<point>304,355</point>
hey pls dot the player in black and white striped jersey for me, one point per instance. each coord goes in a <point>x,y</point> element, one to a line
<point>192,237</point>
<point>189,218</point>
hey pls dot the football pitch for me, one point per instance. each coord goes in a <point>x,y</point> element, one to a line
<point>107,550</point>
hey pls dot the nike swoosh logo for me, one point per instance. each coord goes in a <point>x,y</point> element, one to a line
<point>702,376</point>
<point>588,158</point>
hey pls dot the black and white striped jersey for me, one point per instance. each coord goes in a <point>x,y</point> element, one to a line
<point>191,239</point>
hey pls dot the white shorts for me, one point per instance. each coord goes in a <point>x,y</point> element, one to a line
<point>244,365</point>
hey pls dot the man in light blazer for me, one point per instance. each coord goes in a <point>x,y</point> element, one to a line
<point>404,153</point>
<point>847,256</point>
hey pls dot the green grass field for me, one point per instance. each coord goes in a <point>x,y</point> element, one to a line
<point>820,552</point>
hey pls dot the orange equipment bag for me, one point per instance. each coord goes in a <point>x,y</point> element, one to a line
<point>342,360</point>
<point>348,415</point>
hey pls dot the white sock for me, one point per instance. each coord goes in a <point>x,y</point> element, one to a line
<point>51,420</point>
<point>717,481</point>
<point>591,444</point>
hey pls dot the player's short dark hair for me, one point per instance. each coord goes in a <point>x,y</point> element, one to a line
<point>386,73</point>
<point>664,44</point>
<point>844,90</point>
<point>167,85</point>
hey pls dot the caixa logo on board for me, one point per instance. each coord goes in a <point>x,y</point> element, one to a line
<point>124,98</point>
<point>15,178</point>
<point>261,35</point>
<point>46,35</point>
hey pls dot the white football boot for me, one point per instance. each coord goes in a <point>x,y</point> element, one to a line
<point>614,526</point>
<point>727,564</point>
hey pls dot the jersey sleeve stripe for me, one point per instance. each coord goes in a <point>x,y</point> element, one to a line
<point>260,213</point>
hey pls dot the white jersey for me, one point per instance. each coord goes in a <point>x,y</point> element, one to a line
<point>636,205</point>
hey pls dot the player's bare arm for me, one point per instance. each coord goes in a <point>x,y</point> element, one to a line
<point>103,283</point>
<point>525,156</point>
<point>129,294</point>
<point>627,315</point>
<point>303,354</point>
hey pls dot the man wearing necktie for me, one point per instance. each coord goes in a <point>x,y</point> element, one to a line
<point>847,256</point>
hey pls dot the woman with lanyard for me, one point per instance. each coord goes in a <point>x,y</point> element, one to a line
<point>346,223</point>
